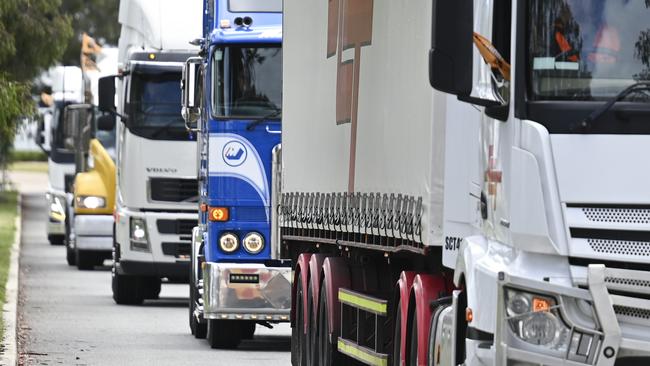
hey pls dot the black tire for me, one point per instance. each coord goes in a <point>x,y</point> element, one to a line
<point>298,336</point>
<point>55,239</point>
<point>327,353</point>
<point>310,344</point>
<point>397,335</point>
<point>412,345</point>
<point>224,334</point>
<point>70,255</point>
<point>86,261</point>
<point>199,329</point>
<point>126,289</point>
<point>151,287</point>
<point>248,330</point>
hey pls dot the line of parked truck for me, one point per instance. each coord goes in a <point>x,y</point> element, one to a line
<point>406,182</point>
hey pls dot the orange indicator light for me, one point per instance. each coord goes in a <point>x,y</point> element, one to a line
<point>540,304</point>
<point>218,214</point>
<point>469,315</point>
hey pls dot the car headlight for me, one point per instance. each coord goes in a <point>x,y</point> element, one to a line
<point>229,242</point>
<point>253,243</point>
<point>535,319</point>
<point>91,202</point>
<point>139,236</point>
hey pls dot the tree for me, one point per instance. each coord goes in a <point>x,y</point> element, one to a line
<point>33,35</point>
<point>97,18</point>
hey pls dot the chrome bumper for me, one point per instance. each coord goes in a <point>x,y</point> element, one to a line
<point>246,291</point>
<point>610,341</point>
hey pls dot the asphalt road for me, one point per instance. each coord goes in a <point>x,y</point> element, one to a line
<point>68,317</point>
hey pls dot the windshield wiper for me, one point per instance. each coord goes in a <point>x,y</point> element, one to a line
<point>259,120</point>
<point>638,86</point>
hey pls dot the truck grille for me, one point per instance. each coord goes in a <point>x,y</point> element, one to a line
<point>623,247</point>
<point>618,215</point>
<point>177,227</point>
<point>174,190</point>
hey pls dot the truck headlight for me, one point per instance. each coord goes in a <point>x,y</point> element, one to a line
<point>228,242</point>
<point>139,236</point>
<point>91,202</point>
<point>253,243</point>
<point>535,319</point>
<point>57,210</point>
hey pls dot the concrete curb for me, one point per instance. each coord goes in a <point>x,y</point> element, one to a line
<point>9,309</point>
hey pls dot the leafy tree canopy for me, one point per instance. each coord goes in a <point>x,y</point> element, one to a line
<point>97,18</point>
<point>33,36</point>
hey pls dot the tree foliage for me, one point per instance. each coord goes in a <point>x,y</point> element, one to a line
<point>33,36</point>
<point>97,18</point>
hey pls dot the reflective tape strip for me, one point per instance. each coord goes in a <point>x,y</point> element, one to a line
<point>360,301</point>
<point>362,354</point>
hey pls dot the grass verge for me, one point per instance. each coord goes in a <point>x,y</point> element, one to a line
<point>29,166</point>
<point>8,212</point>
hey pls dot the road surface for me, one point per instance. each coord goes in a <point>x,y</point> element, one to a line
<point>68,317</point>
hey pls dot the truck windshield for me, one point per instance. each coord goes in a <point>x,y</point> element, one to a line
<point>588,49</point>
<point>247,82</point>
<point>155,106</point>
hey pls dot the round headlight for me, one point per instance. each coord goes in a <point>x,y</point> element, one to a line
<point>253,243</point>
<point>228,242</point>
<point>540,328</point>
<point>518,304</point>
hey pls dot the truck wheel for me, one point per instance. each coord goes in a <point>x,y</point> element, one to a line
<point>151,287</point>
<point>126,289</point>
<point>70,255</point>
<point>85,260</point>
<point>199,329</point>
<point>298,336</point>
<point>225,334</point>
<point>326,353</point>
<point>412,346</point>
<point>248,330</point>
<point>55,239</point>
<point>397,335</point>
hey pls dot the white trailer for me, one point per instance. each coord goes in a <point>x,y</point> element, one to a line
<point>156,203</point>
<point>498,221</point>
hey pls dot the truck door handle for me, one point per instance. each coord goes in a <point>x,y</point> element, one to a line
<point>273,131</point>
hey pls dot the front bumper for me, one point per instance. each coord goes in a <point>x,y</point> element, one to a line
<point>94,232</point>
<point>246,291</point>
<point>611,339</point>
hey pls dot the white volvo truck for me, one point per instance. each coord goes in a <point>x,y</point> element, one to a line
<point>156,196</point>
<point>466,182</point>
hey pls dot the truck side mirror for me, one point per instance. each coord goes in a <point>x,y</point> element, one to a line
<point>191,91</point>
<point>106,88</point>
<point>70,122</point>
<point>451,54</point>
<point>106,122</point>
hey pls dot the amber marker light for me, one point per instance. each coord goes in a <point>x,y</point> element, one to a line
<point>540,304</point>
<point>152,56</point>
<point>219,214</point>
<point>203,207</point>
<point>469,315</point>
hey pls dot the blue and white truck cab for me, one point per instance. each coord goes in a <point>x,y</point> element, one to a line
<point>232,100</point>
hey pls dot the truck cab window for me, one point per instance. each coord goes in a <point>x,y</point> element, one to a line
<point>154,108</point>
<point>247,82</point>
<point>586,49</point>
